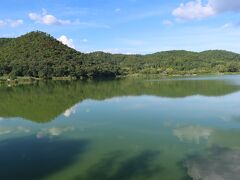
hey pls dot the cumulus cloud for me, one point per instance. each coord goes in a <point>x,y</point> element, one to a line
<point>16,23</point>
<point>2,23</point>
<point>193,10</point>
<point>70,111</point>
<point>66,41</point>
<point>225,5</point>
<point>199,10</point>
<point>47,19</point>
<point>11,23</point>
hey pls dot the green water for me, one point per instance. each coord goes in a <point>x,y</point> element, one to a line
<point>149,128</point>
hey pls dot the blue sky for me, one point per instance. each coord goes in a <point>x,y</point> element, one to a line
<point>128,26</point>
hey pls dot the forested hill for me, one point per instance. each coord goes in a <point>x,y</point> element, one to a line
<point>38,54</point>
<point>4,41</point>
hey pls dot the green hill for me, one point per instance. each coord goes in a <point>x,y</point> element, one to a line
<point>4,41</point>
<point>37,54</point>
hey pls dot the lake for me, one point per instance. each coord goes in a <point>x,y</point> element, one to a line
<point>133,128</point>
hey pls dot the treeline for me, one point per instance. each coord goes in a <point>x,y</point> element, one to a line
<point>38,54</point>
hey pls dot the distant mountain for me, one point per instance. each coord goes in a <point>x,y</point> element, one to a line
<point>38,54</point>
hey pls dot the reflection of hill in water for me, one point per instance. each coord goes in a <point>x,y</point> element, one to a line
<point>44,101</point>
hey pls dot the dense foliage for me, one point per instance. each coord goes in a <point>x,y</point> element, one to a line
<point>37,54</point>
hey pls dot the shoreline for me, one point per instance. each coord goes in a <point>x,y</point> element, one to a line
<point>6,81</point>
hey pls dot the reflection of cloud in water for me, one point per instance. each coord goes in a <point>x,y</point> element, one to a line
<point>54,131</point>
<point>4,131</point>
<point>23,129</point>
<point>70,111</point>
<point>192,133</point>
<point>221,164</point>
<point>13,130</point>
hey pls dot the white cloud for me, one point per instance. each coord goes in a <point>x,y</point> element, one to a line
<point>34,16</point>
<point>192,133</point>
<point>66,41</point>
<point>225,5</point>
<point>70,111</point>
<point>11,23</point>
<point>193,10</point>
<point>47,19</point>
<point>4,131</point>
<point>167,22</point>
<point>2,23</point>
<point>217,163</point>
<point>16,23</point>
<point>198,10</point>
<point>53,132</point>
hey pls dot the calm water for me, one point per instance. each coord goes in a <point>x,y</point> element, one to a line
<point>168,129</point>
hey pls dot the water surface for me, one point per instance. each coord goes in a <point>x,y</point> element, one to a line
<point>149,128</point>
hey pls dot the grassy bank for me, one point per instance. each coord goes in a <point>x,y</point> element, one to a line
<point>4,80</point>
<point>7,81</point>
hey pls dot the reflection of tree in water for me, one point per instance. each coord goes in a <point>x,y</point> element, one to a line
<point>30,158</point>
<point>114,168</point>
<point>220,164</point>
<point>45,101</point>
